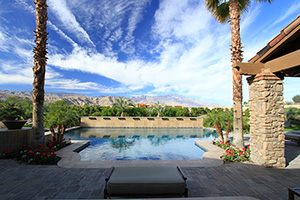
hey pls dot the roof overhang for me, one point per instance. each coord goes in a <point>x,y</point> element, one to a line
<point>287,65</point>
<point>280,56</point>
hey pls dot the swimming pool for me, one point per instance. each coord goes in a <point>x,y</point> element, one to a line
<point>141,144</point>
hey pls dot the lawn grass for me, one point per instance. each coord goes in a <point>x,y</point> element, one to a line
<point>293,128</point>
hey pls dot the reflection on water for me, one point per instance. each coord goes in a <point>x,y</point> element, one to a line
<point>121,144</point>
<point>141,144</point>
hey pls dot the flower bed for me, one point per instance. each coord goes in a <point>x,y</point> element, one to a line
<point>37,155</point>
<point>233,153</point>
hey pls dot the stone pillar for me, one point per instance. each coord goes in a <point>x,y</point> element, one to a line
<point>266,120</point>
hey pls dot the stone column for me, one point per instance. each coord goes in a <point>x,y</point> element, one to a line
<point>266,119</point>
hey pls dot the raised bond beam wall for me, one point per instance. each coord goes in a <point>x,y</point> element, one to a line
<point>142,122</point>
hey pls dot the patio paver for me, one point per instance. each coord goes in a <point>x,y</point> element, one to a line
<point>227,181</point>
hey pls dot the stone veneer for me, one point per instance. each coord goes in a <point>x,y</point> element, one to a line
<point>142,122</point>
<point>266,120</point>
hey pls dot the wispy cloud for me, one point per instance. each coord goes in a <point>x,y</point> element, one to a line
<point>15,73</point>
<point>62,34</point>
<point>293,9</point>
<point>68,20</point>
<point>187,50</point>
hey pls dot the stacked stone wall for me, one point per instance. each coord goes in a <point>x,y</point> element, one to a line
<point>142,122</point>
<point>266,120</point>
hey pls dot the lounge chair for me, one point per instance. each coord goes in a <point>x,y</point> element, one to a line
<point>293,192</point>
<point>293,135</point>
<point>145,182</point>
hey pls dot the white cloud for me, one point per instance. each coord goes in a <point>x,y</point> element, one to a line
<point>181,19</point>
<point>68,20</point>
<point>62,34</point>
<point>24,5</point>
<point>190,49</point>
<point>15,73</point>
<point>70,84</point>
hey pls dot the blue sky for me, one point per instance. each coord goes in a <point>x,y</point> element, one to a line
<point>136,47</point>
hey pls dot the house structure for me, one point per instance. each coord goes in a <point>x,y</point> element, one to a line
<point>280,58</point>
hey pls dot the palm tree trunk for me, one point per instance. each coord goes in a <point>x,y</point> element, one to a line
<point>39,71</point>
<point>236,56</point>
<point>219,131</point>
<point>227,131</point>
<point>53,133</point>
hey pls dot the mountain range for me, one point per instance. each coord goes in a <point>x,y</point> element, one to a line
<point>80,100</point>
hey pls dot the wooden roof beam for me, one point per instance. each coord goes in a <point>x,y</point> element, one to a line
<point>284,62</point>
<point>249,68</point>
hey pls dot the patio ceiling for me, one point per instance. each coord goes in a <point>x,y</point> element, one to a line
<point>281,55</point>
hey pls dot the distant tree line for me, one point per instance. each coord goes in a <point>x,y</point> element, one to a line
<point>61,114</point>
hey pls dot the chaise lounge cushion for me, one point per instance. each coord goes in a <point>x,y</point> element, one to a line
<point>145,181</point>
<point>293,135</point>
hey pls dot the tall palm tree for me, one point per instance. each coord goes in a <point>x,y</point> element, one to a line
<point>39,69</point>
<point>223,10</point>
<point>122,103</point>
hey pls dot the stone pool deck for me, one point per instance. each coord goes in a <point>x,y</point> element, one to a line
<point>208,180</point>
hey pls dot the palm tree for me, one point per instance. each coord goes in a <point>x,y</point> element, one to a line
<point>122,103</point>
<point>228,117</point>
<point>59,116</point>
<point>223,10</point>
<point>216,120</point>
<point>157,108</point>
<point>39,68</point>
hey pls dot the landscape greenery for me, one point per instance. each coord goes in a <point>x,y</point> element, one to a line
<point>61,114</point>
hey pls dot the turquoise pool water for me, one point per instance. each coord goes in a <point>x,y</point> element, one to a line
<point>141,144</point>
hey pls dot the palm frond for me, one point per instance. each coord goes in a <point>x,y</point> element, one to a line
<point>222,12</point>
<point>244,5</point>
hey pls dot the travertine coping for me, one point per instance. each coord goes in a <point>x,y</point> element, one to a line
<point>71,159</point>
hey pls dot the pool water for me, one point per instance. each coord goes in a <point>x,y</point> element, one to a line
<point>141,144</point>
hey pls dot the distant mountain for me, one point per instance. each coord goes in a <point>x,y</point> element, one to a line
<point>173,100</point>
<point>81,100</point>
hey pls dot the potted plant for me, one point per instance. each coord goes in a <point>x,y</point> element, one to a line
<point>9,112</point>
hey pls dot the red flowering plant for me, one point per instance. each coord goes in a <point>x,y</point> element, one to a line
<point>58,144</point>
<point>246,129</point>
<point>38,154</point>
<point>233,153</point>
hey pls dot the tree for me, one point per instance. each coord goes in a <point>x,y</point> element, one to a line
<point>9,108</point>
<point>60,116</point>
<point>196,112</point>
<point>223,10</point>
<point>216,120</point>
<point>122,103</point>
<point>39,68</point>
<point>159,109</point>
<point>108,111</point>
<point>228,118</point>
<point>296,99</point>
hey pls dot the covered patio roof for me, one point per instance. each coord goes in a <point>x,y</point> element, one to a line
<point>281,55</point>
